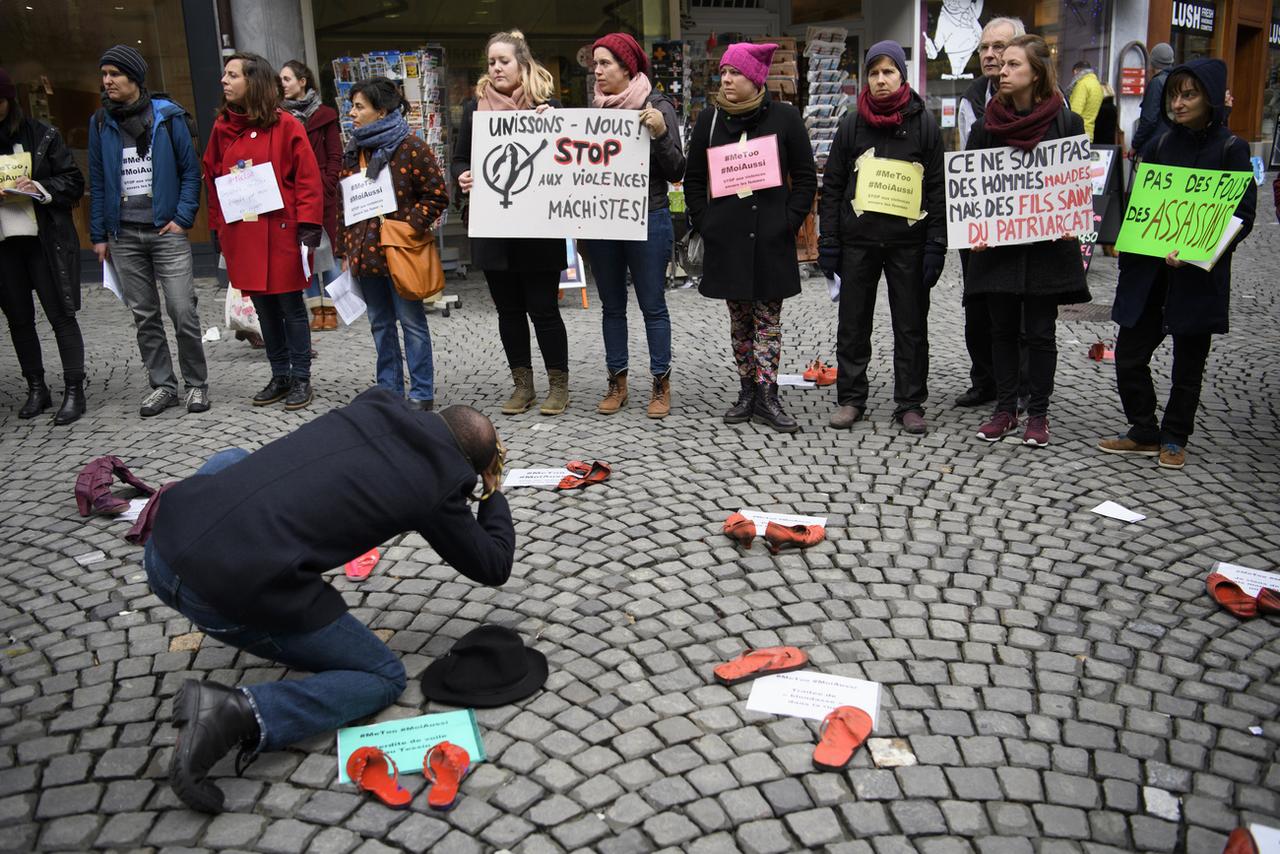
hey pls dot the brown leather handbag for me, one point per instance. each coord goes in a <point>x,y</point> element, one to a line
<point>412,260</point>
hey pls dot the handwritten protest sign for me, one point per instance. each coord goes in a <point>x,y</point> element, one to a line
<point>1177,208</point>
<point>886,186</point>
<point>13,167</point>
<point>744,167</point>
<point>1005,196</point>
<point>407,740</point>
<point>364,199</point>
<point>564,173</point>
<point>247,192</point>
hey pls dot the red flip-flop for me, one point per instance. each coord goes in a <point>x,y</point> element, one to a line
<point>359,569</point>
<point>843,732</point>
<point>1229,595</point>
<point>598,473</point>
<point>578,467</point>
<point>760,662</point>
<point>367,768</point>
<point>445,765</point>
<point>1241,841</point>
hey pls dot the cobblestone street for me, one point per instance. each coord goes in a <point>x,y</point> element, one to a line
<point>1062,681</point>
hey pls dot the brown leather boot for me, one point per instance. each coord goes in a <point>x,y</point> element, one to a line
<point>317,319</point>
<point>616,397</point>
<point>330,318</point>
<point>660,399</point>
<point>523,396</point>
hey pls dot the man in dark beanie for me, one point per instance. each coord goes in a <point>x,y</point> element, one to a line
<point>144,178</point>
<point>1152,119</point>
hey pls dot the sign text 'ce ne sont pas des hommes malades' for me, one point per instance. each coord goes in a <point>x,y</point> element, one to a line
<point>1005,196</point>
<point>564,173</point>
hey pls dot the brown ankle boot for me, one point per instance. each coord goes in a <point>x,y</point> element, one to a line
<point>660,399</point>
<point>317,319</point>
<point>616,397</point>
<point>330,318</point>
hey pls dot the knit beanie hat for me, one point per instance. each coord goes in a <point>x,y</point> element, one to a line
<point>894,51</point>
<point>753,60</point>
<point>1161,56</point>
<point>127,60</point>
<point>7,89</point>
<point>626,50</point>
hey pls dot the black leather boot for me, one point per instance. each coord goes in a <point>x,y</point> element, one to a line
<point>38,397</point>
<point>211,720</point>
<point>73,404</point>
<point>768,409</point>
<point>740,412</point>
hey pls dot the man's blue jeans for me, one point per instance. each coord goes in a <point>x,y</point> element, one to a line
<point>647,260</point>
<point>355,673</point>
<point>385,307</point>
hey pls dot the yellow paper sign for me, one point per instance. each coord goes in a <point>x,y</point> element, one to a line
<point>13,167</point>
<point>893,187</point>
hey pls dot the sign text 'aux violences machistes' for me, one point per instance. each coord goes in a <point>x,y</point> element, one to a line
<point>1177,208</point>
<point>564,173</point>
<point>1005,196</point>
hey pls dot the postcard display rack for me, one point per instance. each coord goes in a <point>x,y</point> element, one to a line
<point>826,102</point>
<point>421,75</point>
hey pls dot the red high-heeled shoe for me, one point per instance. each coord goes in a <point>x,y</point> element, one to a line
<point>800,536</point>
<point>740,528</point>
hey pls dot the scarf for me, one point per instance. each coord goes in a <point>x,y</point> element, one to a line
<point>134,119</point>
<point>382,138</point>
<point>305,107</point>
<point>741,108</point>
<point>492,100</point>
<point>1024,132</point>
<point>633,97</point>
<point>883,112</point>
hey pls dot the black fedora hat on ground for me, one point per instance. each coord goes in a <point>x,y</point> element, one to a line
<point>488,666</point>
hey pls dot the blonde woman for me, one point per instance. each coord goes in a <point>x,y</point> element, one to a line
<point>523,274</point>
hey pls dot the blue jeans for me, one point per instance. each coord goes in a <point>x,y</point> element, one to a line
<point>385,308</point>
<point>355,673</point>
<point>286,332</point>
<point>318,281</point>
<point>647,261</point>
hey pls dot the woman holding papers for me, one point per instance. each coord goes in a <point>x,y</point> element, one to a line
<point>1025,283</point>
<point>40,252</point>
<point>867,231</point>
<point>523,273</point>
<point>1156,297</point>
<point>266,206</point>
<point>749,187</point>
<point>387,163</point>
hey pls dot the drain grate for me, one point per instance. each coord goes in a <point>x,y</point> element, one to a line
<point>1091,312</point>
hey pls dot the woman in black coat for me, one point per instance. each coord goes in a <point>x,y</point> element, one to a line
<point>892,122</point>
<point>40,251</point>
<point>1025,283</point>
<point>750,236</point>
<point>1156,297</point>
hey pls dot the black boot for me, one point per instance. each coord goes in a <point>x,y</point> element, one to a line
<point>73,404</point>
<point>741,411</point>
<point>211,720</point>
<point>38,397</point>
<point>300,394</point>
<point>768,409</point>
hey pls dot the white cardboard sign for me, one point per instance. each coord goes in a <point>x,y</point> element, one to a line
<point>252,190</point>
<point>535,477</point>
<point>364,199</point>
<point>762,520</point>
<point>564,173</point>
<point>1251,581</point>
<point>813,695</point>
<point>135,173</point>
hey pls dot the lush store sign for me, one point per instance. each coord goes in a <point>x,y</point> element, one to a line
<point>1195,17</point>
<point>1274,38</point>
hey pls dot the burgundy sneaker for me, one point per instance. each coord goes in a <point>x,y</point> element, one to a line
<point>1037,433</point>
<point>1000,425</point>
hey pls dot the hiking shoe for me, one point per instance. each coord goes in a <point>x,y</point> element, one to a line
<point>273,392</point>
<point>1172,456</point>
<point>300,394</point>
<point>1000,425</point>
<point>660,398</point>
<point>845,416</point>
<point>157,401</point>
<point>198,400</point>
<point>616,397</point>
<point>1037,432</point>
<point>1125,445</point>
<point>913,422</point>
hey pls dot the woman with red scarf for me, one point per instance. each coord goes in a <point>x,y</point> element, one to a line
<point>860,240</point>
<point>1024,284</point>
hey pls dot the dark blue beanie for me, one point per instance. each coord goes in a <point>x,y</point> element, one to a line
<point>894,51</point>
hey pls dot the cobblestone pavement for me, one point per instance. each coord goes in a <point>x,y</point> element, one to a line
<point>1062,680</point>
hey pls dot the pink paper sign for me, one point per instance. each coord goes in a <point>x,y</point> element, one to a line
<point>748,166</point>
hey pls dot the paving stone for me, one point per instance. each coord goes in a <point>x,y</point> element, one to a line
<point>124,830</point>
<point>764,837</point>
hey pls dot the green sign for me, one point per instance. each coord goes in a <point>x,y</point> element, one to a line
<point>1173,207</point>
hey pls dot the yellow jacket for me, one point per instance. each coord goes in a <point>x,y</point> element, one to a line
<point>1086,100</point>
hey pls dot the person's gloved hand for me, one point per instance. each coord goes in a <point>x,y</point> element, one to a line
<point>829,259</point>
<point>309,235</point>
<point>935,258</point>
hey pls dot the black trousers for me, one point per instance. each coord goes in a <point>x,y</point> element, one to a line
<point>524,296</point>
<point>23,269</point>
<point>903,268</point>
<point>977,340</point>
<point>1134,348</point>
<point>1034,321</point>
<point>286,332</point>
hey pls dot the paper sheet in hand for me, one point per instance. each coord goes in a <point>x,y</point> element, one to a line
<point>1115,511</point>
<point>1266,838</point>
<point>813,695</point>
<point>1251,581</point>
<point>796,380</point>
<point>534,477</point>
<point>763,519</point>
<point>110,280</point>
<point>253,190</point>
<point>347,298</point>
<point>1228,234</point>
<point>407,741</point>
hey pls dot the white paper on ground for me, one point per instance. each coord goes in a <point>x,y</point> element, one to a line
<point>1115,511</point>
<point>135,509</point>
<point>763,519</point>
<point>813,695</point>
<point>535,477</point>
<point>1251,581</point>
<point>110,280</point>
<point>347,298</point>
<point>796,380</point>
<point>211,334</point>
<point>90,557</point>
<point>1266,838</point>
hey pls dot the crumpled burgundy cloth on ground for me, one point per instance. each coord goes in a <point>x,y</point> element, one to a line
<point>93,487</point>
<point>141,530</point>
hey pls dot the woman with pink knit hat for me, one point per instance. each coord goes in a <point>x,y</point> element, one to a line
<point>750,232</point>
<point>621,70</point>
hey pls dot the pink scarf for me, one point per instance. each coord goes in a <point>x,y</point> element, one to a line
<point>495,101</point>
<point>631,98</point>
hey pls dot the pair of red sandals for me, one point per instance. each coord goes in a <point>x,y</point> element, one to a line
<point>843,730</point>
<point>585,474</point>
<point>1229,595</point>
<point>820,373</point>
<point>743,530</point>
<point>444,766</point>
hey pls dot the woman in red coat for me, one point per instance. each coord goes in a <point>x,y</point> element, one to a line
<point>302,100</point>
<point>262,246</point>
